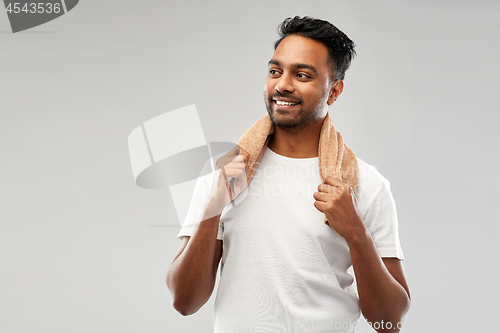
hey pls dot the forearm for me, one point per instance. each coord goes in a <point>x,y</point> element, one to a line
<point>382,298</point>
<point>191,276</point>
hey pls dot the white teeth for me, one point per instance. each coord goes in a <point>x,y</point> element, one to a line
<point>284,103</point>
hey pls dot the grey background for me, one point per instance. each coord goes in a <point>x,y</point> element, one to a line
<point>79,250</point>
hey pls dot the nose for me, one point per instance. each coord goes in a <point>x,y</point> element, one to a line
<point>284,83</point>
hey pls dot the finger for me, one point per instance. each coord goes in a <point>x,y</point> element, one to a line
<point>320,196</point>
<point>230,173</point>
<point>325,188</point>
<point>241,180</point>
<point>241,157</point>
<point>321,206</point>
<point>238,182</point>
<point>333,181</point>
<point>236,159</point>
<point>336,189</point>
<point>245,154</point>
<point>232,164</point>
<point>233,167</point>
<point>232,160</point>
<point>236,150</point>
<point>239,167</point>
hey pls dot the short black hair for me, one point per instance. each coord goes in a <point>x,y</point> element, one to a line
<point>340,47</point>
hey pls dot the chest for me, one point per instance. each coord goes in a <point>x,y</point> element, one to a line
<point>275,220</point>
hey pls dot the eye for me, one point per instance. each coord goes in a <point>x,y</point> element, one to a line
<point>303,76</point>
<point>274,72</point>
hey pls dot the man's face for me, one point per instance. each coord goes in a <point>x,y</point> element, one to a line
<point>298,88</point>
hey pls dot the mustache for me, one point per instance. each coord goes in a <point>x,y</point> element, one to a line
<point>284,95</point>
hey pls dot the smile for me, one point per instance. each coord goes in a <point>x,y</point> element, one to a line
<point>284,103</point>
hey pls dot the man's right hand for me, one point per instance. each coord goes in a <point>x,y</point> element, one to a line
<point>231,180</point>
<point>191,276</point>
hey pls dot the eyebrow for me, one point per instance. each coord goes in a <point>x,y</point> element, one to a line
<point>306,66</point>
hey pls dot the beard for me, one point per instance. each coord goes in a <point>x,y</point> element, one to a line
<point>299,120</point>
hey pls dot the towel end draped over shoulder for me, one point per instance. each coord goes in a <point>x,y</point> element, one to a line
<point>336,159</point>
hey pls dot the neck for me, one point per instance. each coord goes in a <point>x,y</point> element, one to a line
<point>297,144</point>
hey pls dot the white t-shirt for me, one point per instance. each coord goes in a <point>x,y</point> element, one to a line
<point>283,269</point>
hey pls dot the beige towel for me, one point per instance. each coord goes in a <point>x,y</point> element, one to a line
<point>335,158</point>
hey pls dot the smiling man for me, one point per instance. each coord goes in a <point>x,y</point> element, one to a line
<point>304,211</point>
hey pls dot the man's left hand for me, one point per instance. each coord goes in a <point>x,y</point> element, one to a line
<point>337,201</point>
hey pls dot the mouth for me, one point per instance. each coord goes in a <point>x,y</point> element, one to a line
<point>284,104</point>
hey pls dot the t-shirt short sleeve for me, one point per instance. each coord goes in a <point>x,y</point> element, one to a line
<point>197,205</point>
<point>378,210</point>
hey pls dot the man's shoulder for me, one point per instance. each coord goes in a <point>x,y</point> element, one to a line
<point>370,179</point>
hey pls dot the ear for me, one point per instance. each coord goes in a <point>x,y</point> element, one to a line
<point>336,89</point>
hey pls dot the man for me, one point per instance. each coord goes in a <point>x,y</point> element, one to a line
<point>283,268</point>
